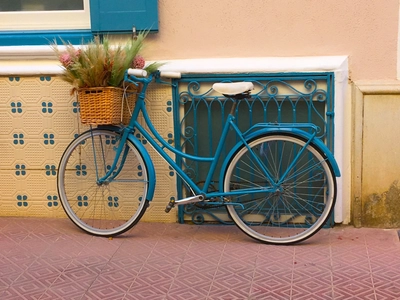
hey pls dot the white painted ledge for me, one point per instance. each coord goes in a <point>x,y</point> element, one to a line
<point>27,68</point>
<point>33,60</point>
<point>26,52</point>
<point>28,61</point>
<point>257,65</point>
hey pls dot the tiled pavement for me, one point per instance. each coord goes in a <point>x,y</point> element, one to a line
<point>51,259</point>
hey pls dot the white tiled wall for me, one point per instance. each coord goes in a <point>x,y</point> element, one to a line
<point>38,119</point>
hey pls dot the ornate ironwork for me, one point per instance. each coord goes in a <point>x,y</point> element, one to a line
<point>199,114</point>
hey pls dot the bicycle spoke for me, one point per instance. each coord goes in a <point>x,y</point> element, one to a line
<point>295,205</point>
<point>110,207</point>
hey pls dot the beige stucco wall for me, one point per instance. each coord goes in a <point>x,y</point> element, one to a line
<point>376,155</point>
<point>365,30</point>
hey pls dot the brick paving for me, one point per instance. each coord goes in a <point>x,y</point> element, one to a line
<point>52,259</point>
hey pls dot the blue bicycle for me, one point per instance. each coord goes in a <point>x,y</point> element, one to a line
<point>278,183</point>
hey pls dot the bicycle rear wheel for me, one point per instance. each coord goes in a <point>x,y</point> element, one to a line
<point>305,190</point>
<point>110,208</point>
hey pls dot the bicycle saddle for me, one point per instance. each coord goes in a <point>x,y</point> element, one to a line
<point>233,88</point>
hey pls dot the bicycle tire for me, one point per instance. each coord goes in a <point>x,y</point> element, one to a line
<point>107,209</point>
<point>302,202</point>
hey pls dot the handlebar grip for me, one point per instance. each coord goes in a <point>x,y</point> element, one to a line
<point>137,72</point>
<point>167,74</point>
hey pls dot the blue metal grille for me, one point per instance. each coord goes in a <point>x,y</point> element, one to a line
<point>199,115</point>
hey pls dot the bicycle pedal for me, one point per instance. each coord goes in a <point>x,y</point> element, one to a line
<point>170,205</point>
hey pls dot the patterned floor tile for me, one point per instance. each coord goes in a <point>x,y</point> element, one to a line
<point>122,277</point>
<point>45,271</point>
<point>66,292</point>
<point>72,285</point>
<point>234,253</point>
<point>186,294</point>
<point>140,248</point>
<point>386,273</point>
<point>9,270</point>
<point>129,262</point>
<point>303,293</point>
<point>277,285</point>
<point>100,247</point>
<point>27,286</point>
<point>145,288</point>
<point>192,284</point>
<point>390,290</point>
<point>219,291</point>
<point>64,247</point>
<point>105,289</point>
<point>21,258</point>
<point>52,259</point>
<point>202,255</point>
<point>387,294</point>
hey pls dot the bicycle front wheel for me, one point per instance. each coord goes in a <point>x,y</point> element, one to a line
<point>289,189</point>
<point>114,206</point>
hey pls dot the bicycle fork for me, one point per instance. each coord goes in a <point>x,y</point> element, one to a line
<point>113,171</point>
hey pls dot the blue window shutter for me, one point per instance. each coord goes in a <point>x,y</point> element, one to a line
<point>119,16</point>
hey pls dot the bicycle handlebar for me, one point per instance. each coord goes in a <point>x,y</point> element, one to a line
<point>169,74</point>
<point>137,72</point>
<point>140,73</point>
<point>141,76</point>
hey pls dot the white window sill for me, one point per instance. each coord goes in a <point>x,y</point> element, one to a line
<point>28,61</point>
<point>39,60</point>
<point>337,64</point>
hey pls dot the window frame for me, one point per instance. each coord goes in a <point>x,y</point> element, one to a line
<point>46,20</point>
<point>148,21</point>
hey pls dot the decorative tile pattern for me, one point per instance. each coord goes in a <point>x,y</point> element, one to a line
<point>38,119</point>
<point>51,259</point>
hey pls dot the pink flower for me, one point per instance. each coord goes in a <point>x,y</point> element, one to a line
<point>65,59</point>
<point>138,62</point>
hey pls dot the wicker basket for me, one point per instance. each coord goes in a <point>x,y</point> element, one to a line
<point>105,105</point>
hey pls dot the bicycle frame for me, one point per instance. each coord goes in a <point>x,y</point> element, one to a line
<point>277,183</point>
<point>159,144</point>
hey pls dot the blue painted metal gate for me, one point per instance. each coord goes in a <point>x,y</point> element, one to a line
<point>199,115</point>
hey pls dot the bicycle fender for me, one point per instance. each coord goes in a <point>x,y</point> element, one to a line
<point>146,157</point>
<point>294,131</point>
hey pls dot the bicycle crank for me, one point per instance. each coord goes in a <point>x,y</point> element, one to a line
<point>187,200</point>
